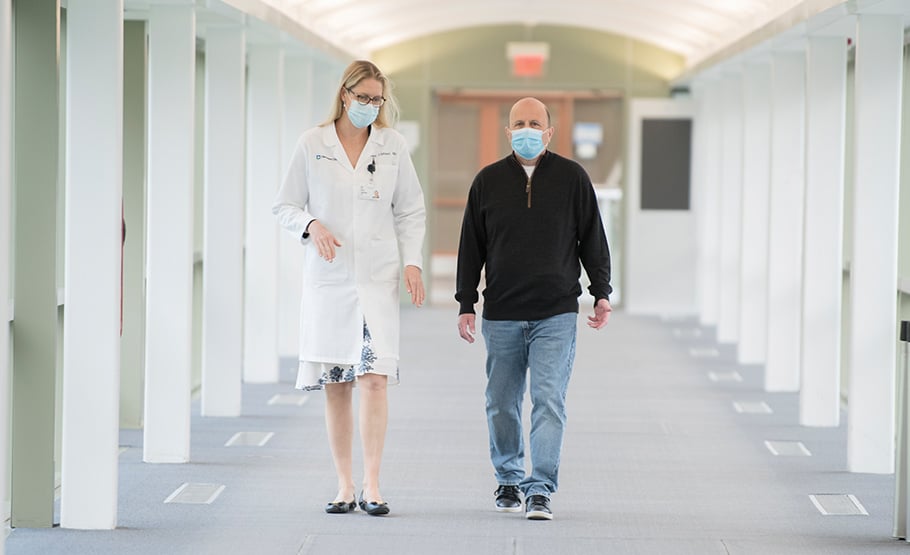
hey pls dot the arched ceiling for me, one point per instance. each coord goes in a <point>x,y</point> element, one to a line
<point>694,29</point>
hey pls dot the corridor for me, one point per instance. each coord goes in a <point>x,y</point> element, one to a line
<point>751,166</point>
<point>670,449</point>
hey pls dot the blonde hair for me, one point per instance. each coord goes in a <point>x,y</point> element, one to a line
<point>354,74</point>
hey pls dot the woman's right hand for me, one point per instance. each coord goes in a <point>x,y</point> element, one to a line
<point>324,240</point>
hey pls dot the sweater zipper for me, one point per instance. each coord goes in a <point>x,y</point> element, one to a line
<point>528,190</point>
<point>528,186</point>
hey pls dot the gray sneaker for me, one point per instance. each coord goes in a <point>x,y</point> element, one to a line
<point>508,499</point>
<point>537,507</point>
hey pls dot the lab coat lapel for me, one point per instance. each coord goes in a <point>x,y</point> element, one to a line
<point>331,140</point>
<point>374,142</point>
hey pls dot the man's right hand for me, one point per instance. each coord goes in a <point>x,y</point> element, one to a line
<point>466,327</point>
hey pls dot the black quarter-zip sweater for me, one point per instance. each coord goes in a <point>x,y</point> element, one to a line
<point>532,235</point>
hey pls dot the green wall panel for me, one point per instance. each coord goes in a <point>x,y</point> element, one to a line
<point>35,143</point>
<point>132,352</point>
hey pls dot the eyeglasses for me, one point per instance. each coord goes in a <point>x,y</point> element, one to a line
<point>364,99</point>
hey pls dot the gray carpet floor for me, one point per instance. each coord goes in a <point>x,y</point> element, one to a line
<point>657,460</point>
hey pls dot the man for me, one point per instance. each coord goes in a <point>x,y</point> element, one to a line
<point>530,219</point>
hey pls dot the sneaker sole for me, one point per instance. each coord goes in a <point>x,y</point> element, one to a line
<point>508,510</point>
<point>538,515</point>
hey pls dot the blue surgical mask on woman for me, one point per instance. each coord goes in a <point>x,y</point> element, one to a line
<point>362,115</point>
<point>527,142</point>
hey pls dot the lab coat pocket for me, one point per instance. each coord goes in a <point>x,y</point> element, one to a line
<point>385,263</point>
<point>384,181</point>
<point>318,270</point>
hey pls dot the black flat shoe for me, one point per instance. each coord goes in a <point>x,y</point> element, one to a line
<point>340,507</point>
<point>373,508</point>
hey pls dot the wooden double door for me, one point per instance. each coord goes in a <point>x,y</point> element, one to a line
<point>469,133</point>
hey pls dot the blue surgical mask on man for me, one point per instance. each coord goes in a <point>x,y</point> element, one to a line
<point>527,142</point>
<point>362,115</point>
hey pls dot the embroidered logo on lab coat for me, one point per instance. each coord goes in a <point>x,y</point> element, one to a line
<point>324,157</point>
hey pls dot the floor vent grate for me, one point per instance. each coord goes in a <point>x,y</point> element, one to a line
<point>200,494</point>
<point>725,377</point>
<point>249,439</point>
<point>788,448</point>
<point>831,504</point>
<point>752,407</point>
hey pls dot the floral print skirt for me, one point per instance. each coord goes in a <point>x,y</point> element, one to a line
<point>313,375</point>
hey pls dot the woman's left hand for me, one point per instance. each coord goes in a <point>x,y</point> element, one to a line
<point>414,284</point>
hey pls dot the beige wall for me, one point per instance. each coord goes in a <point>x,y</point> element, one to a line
<point>475,58</point>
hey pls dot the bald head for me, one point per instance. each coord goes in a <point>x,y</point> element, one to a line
<point>529,120</point>
<point>526,110</point>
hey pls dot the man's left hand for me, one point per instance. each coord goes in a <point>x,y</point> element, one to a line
<point>602,310</point>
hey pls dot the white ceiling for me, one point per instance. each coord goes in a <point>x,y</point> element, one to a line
<point>694,29</point>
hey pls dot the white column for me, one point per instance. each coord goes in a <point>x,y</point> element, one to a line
<point>169,287</point>
<point>697,179</point>
<point>326,77</point>
<point>91,324</point>
<point>6,88</point>
<point>222,278</point>
<point>873,271</point>
<point>785,239</point>
<point>826,61</point>
<point>708,145</point>
<point>298,81</point>
<point>753,315</point>
<point>264,173</point>
<point>731,188</point>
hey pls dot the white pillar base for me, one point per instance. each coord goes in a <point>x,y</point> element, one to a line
<point>298,96</point>
<point>94,188</point>
<point>823,248</point>
<point>731,189</point>
<point>264,174</point>
<point>222,285</point>
<point>169,289</point>
<point>785,247</point>
<point>708,145</point>
<point>753,295</point>
<point>873,275</point>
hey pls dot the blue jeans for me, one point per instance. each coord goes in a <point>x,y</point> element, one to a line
<point>546,348</point>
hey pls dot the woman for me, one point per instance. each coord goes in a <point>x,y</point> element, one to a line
<point>352,197</point>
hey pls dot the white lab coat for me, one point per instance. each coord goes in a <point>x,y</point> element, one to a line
<point>379,218</point>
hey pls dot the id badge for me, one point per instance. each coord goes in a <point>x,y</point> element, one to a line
<point>368,191</point>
